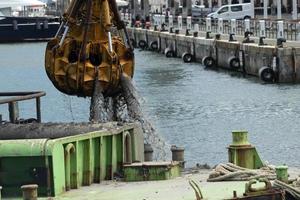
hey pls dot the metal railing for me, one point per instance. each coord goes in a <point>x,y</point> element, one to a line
<point>290,29</point>
<point>12,99</point>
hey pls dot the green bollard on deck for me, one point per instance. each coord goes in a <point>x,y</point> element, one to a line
<point>240,138</point>
<point>282,173</point>
<point>242,153</point>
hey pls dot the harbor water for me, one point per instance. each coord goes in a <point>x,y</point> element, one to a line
<point>189,105</point>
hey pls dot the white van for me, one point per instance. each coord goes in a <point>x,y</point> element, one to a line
<point>234,11</point>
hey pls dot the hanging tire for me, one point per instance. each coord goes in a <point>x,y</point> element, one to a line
<point>133,42</point>
<point>234,63</point>
<point>154,46</point>
<point>266,74</point>
<point>143,44</point>
<point>169,53</point>
<point>208,61</point>
<point>187,57</point>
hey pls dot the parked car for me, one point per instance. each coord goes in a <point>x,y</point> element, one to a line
<point>234,11</point>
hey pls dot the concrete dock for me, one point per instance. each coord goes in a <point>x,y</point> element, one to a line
<point>269,61</point>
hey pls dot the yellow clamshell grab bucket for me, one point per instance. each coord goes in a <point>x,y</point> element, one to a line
<point>89,47</point>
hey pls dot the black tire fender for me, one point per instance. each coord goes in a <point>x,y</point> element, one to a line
<point>187,57</point>
<point>266,74</point>
<point>208,61</point>
<point>143,44</point>
<point>234,63</point>
<point>169,53</point>
<point>154,46</point>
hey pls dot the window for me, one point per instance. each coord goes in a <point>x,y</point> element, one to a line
<point>236,8</point>
<point>223,10</point>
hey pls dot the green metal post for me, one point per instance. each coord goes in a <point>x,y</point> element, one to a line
<point>242,153</point>
<point>282,173</point>
<point>240,138</point>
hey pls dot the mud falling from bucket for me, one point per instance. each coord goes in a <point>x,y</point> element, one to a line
<point>126,107</point>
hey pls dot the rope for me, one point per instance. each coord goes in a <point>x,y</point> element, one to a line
<point>294,191</point>
<point>231,172</point>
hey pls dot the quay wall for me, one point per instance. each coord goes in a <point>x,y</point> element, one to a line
<point>283,62</point>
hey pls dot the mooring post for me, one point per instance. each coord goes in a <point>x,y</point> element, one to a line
<point>232,30</point>
<point>162,22</point>
<point>208,27</point>
<point>247,32</point>
<point>282,173</point>
<point>158,18</point>
<point>247,25</point>
<point>179,18</point>
<point>262,32</point>
<point>280,30</point>
<point>148,153</point>
<point>242,153</point>
<point>220,29</point>
<point>171,24</point>
<point>280,34</point>
<point>189,23</point>
<point>30,192</point>
<point>178,154</point>
<point>156,22</point>
<point>196,30</point>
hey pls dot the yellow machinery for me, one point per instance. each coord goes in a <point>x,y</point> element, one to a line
<point>91,45</point>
